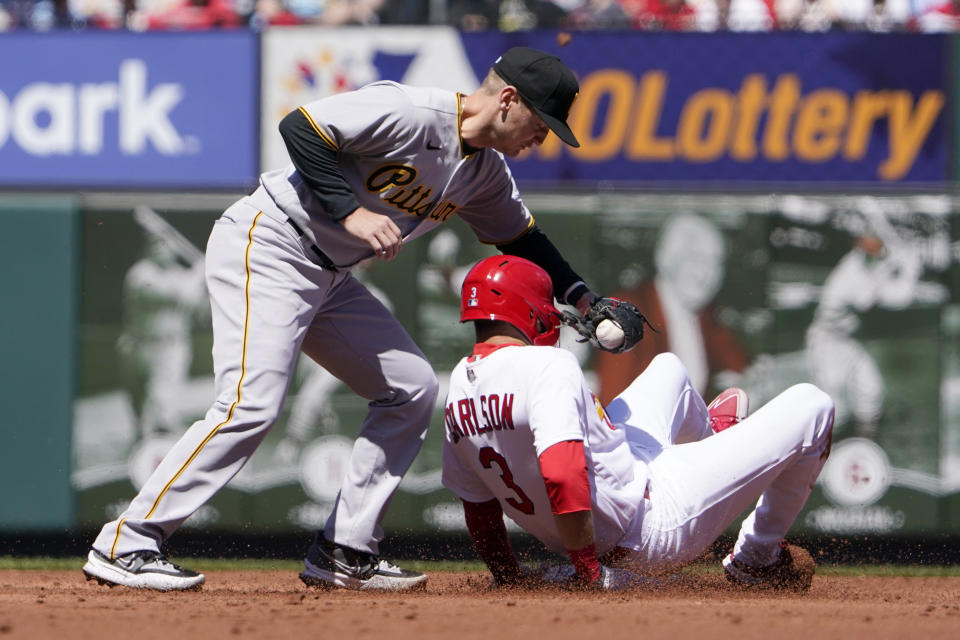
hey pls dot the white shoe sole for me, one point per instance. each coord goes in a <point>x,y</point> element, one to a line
<point>314,576</point>
<point>107,574</point>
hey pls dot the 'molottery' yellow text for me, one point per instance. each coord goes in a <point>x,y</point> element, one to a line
<point>775,123</point>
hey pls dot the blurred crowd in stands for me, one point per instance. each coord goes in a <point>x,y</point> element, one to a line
<point>476,15</point>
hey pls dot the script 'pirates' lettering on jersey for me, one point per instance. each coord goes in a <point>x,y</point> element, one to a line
<point>396,184</point>
<point>462,420</point>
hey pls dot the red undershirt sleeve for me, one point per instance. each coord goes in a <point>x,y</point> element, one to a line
<point>490,539</point>
<point>564,470</point>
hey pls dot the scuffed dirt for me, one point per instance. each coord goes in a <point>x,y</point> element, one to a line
<point>272,604</point>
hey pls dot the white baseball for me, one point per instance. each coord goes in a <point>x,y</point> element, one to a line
<point>609,334</point>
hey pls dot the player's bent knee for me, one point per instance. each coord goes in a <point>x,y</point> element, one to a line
<point>668,367</point>
<point>422,381</point>
<point>816,398</point>
<point>419,385</point>
<point>818,405</point>
<point>434,389</point>
<point>808,394</point>
<point>430,388</point>
<point>825,408</point>
<point>668,361</point>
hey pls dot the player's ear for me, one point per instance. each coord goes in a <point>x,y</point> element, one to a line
<point>508,96</point>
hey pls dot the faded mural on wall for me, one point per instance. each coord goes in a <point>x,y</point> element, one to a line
<point>855,294</point>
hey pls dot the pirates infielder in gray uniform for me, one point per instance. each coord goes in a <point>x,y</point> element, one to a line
<point>370,171</point>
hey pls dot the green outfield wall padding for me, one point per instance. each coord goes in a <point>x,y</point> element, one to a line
<point>38,277</point>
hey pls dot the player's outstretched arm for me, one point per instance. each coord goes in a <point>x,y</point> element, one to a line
<point>564,469</point>
<point>490,539</point>
<point>568,286</point>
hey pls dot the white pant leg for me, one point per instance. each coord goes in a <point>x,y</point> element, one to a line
<point>698,489</point>
<point>263,294</point>
<point>661,407</point>
<point>357,339</point>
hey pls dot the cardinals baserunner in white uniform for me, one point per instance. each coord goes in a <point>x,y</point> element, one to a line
<point>639,487</point>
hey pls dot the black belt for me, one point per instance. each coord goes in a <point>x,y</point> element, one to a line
<point>325,260</point>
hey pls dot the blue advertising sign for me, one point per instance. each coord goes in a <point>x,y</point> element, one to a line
<point>723,109</point>
<point>129,110</point>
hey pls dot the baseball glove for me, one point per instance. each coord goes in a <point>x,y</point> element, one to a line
<point>623,314</point>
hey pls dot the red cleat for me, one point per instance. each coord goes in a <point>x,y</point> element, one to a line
<point>728,408</point>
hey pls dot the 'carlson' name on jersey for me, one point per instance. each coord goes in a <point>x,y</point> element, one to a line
<point>461,418</point>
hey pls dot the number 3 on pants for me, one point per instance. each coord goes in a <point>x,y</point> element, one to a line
<point>521,503</point>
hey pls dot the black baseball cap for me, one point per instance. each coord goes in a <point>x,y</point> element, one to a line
<point>545,83</point>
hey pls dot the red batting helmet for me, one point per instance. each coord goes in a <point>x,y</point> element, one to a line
<point>513,290</point>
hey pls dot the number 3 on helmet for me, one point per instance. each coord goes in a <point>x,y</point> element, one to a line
<point>514,290</point>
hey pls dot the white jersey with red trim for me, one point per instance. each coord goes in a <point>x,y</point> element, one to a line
<point>503,411</point>
<point>507,407</point>
<point>399,148</point>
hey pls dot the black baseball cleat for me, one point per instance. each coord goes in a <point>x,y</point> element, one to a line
<point>330,565</point>
<point>140,570</point>
<point>793,571</point>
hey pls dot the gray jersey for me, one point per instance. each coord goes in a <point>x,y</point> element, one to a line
<point>406,162</point>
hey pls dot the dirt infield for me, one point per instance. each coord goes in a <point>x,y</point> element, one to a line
<point>272,604</point>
